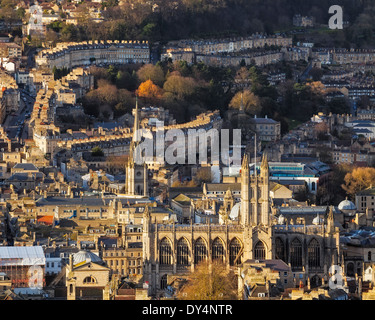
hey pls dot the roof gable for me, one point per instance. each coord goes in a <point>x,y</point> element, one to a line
<point>89,266</point>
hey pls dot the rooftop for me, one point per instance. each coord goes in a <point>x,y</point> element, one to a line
<point>25,166</point>
<point>222,187</point>
<point>25,255</point>
<point>366,192</point>
<point>182,199</point>
<point>263,121</point>
<point>275,264</point>
<point>306,210</point>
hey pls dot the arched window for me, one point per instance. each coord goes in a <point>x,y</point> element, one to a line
<point>200,251</point>
<point>313,186</point>
<point>259,251</point>
<point>279,249</point>
<point>313,254</point>
<point>234,250</point>
<point>315,281</point>
<point>217,250</point>
<point>369,256</point>
<point>350,269</point>
<point>296,254</point>
<point>182,252</point>
<point>163,281</point>
<point>89,280</point>
<point>165,252</point>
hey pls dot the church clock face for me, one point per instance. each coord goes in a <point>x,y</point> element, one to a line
<point>139,173</point>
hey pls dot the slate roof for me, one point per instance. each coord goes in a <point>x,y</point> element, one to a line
<point>321,210</point>
<point>223,187</point>
<point>364,237</point>
<point>263,121</point>
<point>25,166</point>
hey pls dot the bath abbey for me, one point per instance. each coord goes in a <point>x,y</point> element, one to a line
<point>247,231</point>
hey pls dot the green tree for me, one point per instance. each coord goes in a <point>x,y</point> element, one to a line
<point>125,80</point>
<point>69,33</point>
<point>151,72</point>
<point>112,73</point>
<point>20,13</point>
<point>97,152</point>
<point>181,87</point>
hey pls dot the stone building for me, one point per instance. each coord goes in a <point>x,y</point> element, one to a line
<point>248,232</point>
<point>9,95</point>
<point>267,129</point>
<point>73,54</point>
<point>365,199</point>
<point>86,276</point>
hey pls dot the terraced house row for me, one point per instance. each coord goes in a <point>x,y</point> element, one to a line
<point>215,46</point>
<point>74,54</point>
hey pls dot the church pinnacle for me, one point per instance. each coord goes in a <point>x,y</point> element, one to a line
<point>136,121</point>
<point>245,162</point>
<point>264,164</point>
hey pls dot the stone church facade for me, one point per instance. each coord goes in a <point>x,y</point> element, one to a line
<point>254,233</point>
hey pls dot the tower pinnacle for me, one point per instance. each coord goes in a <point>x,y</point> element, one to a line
<point>136,121</point>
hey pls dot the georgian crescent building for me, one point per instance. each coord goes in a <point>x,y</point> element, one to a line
<point>73,54</point>
<point>247,231</point>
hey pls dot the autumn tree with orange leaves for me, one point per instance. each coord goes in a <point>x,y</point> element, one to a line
<point>250,102</point>
<point>210,282</point>
<point>149,91</point>
<point>359,179</point>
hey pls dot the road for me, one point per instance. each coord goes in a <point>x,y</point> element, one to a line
<point>305,74</point>
<point>15,124</point>
<point>31,52</point>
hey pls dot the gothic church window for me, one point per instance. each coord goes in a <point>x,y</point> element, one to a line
<point>182,252</point>
<point>165,252</point>
<point>313,254</point>
<point>200,251</point>
<point>234,250</point>
<point>259,251</point>
<point>217,250</point>
<point>296,254</point>
<point>279,249</point>
<point>163,281</point>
